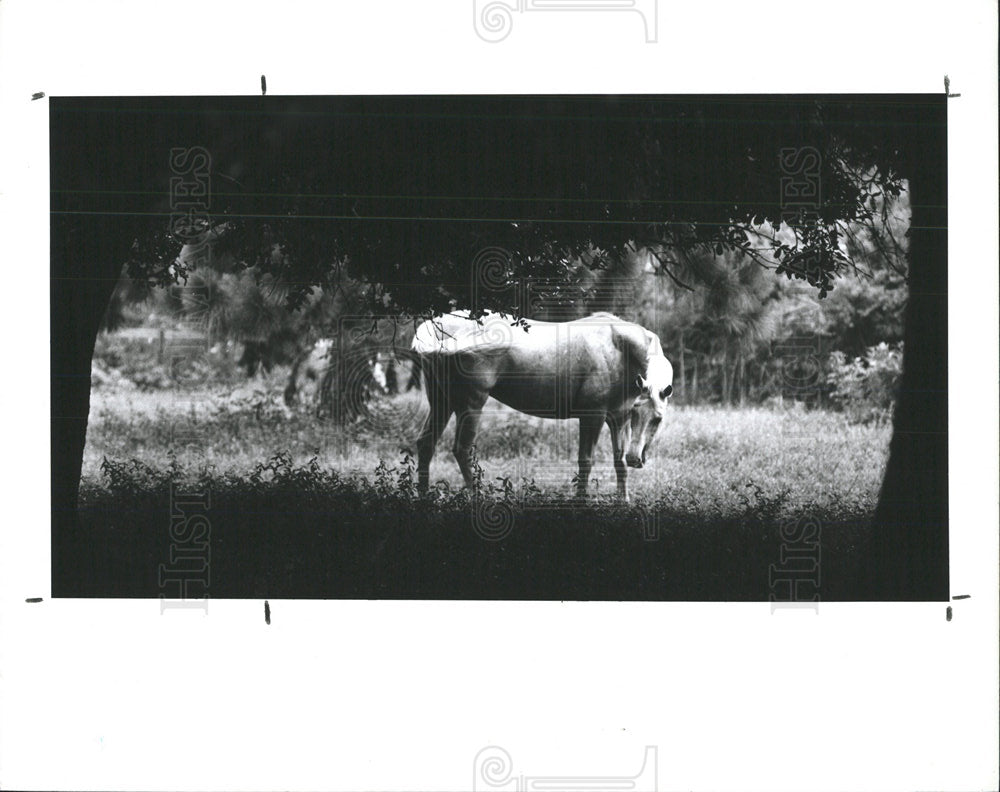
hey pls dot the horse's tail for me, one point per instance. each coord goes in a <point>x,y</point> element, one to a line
<point>432,359</point>
<point>431,369</point>
<point>414,380</point>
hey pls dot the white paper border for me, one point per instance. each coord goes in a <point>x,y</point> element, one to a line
<point>390,695</point>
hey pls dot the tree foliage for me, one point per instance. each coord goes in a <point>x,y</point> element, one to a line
<point>543,179</point>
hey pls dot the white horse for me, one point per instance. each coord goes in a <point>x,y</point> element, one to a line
<point>600,369</point>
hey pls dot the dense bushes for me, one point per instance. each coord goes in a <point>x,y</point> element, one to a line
<point>866,386</point>
<point>147,361</point>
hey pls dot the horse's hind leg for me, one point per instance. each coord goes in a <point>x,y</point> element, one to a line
<point>467,419</point>
<point>438,399</point>
<point>437,420</point>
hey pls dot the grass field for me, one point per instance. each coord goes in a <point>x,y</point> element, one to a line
<point>300,508</point>
<point>703,456</point>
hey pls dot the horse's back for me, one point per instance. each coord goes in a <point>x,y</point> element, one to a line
<point>456,332</point>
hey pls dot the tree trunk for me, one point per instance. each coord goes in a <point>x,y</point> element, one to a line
<point>909,551</point>
<point>86,259</point>
<point>682,370</point>
<point>741,365</point>
<point>725,378</point>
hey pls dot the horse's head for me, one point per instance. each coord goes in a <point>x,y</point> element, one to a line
<point>649,409</point>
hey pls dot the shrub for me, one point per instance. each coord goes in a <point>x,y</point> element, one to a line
<point>865,387</point>
<point>123,362</point>
<point>133,477</point>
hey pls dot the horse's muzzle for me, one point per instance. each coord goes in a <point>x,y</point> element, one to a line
<point>633,460</point>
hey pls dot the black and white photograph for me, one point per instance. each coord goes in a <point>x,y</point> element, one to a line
<point>622,407</point>
<point>671,348</point>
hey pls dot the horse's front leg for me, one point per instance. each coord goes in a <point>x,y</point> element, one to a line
<point>618,428</point>
<point>590,431</point>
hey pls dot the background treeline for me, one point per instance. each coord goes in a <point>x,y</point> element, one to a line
<point>730,325</point>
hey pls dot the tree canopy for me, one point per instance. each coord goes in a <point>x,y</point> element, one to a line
<point>409,193</point>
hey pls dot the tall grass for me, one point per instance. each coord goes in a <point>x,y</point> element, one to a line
<point>300,508</point>
<point>703,459</point>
